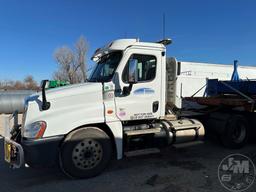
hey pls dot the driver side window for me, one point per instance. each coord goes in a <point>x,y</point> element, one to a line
<point>146,68</point>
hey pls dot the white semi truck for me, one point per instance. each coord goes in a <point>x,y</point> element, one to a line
<point>125,105</point>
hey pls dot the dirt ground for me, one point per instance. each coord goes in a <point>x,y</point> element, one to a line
<point>174,169</point>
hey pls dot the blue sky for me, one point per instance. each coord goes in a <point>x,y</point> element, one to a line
<point>215,31</point>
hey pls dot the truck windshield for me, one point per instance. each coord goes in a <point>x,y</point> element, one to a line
<point>105,68</point>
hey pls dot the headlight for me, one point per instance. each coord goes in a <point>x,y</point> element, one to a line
<point>35,130</point>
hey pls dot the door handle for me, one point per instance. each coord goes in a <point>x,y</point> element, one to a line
<point>155,106</point>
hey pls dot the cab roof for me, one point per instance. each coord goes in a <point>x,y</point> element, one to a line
<point>122,44</point>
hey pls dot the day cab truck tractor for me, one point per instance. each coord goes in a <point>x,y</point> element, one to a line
<point>126,105</point>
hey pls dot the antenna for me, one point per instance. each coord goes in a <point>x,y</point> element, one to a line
<point>163,25</point>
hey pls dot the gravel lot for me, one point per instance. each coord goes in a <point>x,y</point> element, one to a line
<point>175,169</point>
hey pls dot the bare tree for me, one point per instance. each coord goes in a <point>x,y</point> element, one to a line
<point>18,85</point>
<point>81,50</point>
<point>71,64</point>
<point>30,83</point>
<point>66,61</point>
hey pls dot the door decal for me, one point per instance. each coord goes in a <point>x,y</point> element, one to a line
<point>143,91</point>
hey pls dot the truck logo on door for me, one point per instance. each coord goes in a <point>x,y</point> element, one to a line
<point>143,91</point>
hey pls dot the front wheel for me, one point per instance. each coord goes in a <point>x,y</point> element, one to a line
<point>85,153</point>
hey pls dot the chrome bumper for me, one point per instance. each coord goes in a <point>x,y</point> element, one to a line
<point>13,151</point>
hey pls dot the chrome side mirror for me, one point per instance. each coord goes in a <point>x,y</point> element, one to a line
<point>133,71</point>
<point>132,76</point>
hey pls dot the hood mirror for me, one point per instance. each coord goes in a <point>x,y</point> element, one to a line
<point>45,104</point>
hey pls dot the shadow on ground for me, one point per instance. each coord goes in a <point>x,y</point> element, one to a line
<point>174,169</point>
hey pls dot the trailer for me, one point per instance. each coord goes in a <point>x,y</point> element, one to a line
<point>228,110</point>
<point>192,77</point>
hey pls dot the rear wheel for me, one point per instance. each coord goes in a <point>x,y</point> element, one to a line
<point>85,153</point>
<point>236,133</point>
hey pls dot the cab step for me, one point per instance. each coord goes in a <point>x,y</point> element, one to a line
<point>142,152</point>
<point>192,126</point>
<point>142,131</point>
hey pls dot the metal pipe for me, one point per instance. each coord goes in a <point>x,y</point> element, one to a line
<point>11,101</point>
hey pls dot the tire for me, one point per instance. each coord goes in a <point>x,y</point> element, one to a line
<point>236,133</point>
<point>85,153</point>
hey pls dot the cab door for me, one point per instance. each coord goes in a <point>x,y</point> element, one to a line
<point>143,101</point>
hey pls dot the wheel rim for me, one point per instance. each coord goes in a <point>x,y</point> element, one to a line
<point>87,154</point>
<point>239,133</point>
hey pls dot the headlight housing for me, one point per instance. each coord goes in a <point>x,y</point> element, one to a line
<point>35,130</point>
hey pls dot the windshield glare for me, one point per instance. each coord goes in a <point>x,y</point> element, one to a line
<point>105,68</point>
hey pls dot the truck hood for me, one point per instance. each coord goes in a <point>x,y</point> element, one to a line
<point>76,105</point>
<point>66,91</point>
<point>72,90</point>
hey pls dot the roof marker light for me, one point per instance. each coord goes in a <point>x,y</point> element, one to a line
<point>165,41</point>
